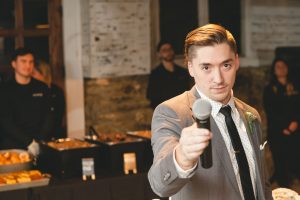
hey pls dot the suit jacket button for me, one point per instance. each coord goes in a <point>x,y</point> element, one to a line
<point>167,176</point>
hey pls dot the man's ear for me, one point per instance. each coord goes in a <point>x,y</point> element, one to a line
<point>13,64</point>
<point>190,68</point>
<point>158,54</point>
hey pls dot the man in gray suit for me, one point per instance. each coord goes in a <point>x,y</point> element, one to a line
<point>212,59</point>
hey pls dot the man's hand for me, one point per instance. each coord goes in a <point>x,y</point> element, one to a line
<point>293,126</point>
<point>286,132</point>
<point>192,143</point>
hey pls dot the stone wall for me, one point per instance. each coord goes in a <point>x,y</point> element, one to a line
<point>120,103</point>
<point>114,104</point>
<point>249,87</point>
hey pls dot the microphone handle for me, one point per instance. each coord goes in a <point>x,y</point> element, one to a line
<point>206,157</point>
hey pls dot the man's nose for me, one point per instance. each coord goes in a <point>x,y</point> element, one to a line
<point>217,76</point>
<point>28,65</point>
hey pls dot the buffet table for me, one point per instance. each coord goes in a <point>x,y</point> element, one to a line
<point>108,187</point>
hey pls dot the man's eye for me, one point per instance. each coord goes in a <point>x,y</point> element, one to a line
<point>227,65</point>
<point>205,68</point>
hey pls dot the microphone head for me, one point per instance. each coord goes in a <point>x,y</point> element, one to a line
<point>201,109</point>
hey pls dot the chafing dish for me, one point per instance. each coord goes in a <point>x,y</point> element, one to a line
<point>113,147</point>
<point>63,157</point>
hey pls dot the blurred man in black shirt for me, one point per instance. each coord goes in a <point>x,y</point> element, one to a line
<point>167,80</point>
<point>24,106</point>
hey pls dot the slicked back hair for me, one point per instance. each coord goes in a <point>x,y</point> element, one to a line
<point>207,35</point>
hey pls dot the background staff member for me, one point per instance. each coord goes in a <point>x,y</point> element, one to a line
<point>24,107</point>
<point>238,164</point>
<point>168,79</point>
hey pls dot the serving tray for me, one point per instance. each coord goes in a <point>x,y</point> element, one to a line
<point>145,134</point>
<point>34,183</point>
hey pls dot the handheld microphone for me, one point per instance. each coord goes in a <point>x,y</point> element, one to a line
<point>201,111</point>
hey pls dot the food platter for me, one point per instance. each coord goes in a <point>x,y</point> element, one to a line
<point>68,144</point>
<point>146,134</point>
<point>17,186</point>
<point>20,181</point>
<point>285,193</point>
<point>13,165</point>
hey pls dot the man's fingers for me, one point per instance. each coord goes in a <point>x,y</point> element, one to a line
<point>195,139</point>
<point>196,147</point>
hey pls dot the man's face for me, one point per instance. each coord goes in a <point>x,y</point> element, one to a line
<point>23,65</point>
<point>214,70</point>
<point>166,52</point>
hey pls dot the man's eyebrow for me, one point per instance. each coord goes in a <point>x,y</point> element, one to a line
<point>225,61</point>
<point>228,60</point>
<point>205,64</point>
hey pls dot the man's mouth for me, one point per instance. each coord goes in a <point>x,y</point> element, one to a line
<point>219,88</point>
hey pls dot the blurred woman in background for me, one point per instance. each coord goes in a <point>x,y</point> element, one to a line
<point>281,103</point>
<point>42,72</point>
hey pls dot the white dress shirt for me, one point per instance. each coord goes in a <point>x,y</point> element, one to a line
<point>220,121</point>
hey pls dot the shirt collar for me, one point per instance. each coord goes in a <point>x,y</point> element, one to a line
<point>216,106</point>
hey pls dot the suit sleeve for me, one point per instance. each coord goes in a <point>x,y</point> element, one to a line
<point>163,176</point>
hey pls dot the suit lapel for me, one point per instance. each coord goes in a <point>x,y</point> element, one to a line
<point>253,137</point>
<point>250,132</point>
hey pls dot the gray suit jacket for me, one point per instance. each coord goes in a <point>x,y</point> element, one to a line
<point>215,183</point>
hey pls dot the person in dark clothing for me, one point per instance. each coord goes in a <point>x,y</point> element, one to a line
<point>24,111</point>
<point>42,72</point>
<point>167,80</point>
<point>281,103</point>
<point>1,78</point>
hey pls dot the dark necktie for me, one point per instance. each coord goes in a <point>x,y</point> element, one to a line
<point>240,154</point>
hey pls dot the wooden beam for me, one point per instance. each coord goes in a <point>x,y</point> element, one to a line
<point>8,32</point>
<point>25,33</point>
<point>36,32</point>
<point>19,24</point>
<point>55,41</point>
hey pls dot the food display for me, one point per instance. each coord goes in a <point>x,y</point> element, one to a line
<point>63,157</point>
<point>285,194</point>
<point>12,160</point>
<point>114,145</point>
<point>68,143</point>
<point>144,133</point>
<point>148,153</point>
<point>13,157</point>
<point>115,138</point>
<point>22,179</point>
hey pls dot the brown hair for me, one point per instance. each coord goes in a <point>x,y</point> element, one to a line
<point>207,35</point>
<point>44,69</point>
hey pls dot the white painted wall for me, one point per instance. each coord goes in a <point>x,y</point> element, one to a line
<point>72,38</point>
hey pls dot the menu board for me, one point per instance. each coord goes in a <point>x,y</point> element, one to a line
<point>119,38</point>
<point>272,27</point>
